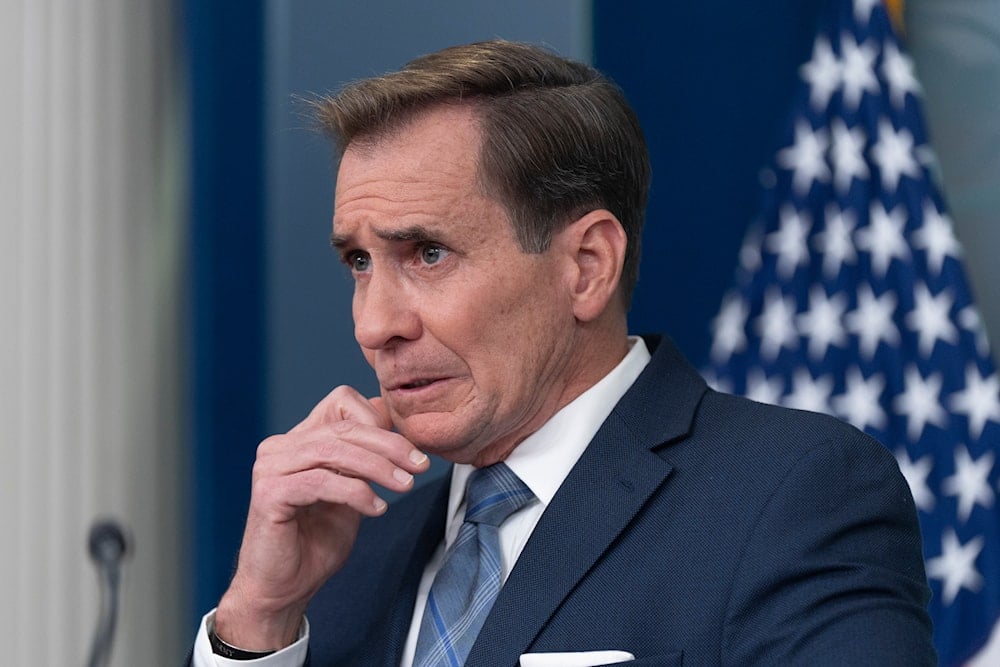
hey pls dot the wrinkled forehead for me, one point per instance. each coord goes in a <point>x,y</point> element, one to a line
<point>424,176</point>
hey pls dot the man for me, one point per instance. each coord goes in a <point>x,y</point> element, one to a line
<point>489,204</point>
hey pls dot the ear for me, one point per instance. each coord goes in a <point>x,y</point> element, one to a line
<point>596,248</point>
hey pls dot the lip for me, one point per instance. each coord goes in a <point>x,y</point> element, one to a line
<point>414,384</point>
<point>419,396</point>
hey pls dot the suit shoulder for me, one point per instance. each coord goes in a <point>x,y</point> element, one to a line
<point>754,447</point>
<point>782,429</point>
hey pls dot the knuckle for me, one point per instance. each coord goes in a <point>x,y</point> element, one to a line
<point>267,490</point>
<point>269,445</point>
<point>343,391</point>
<point>343,429</point>
<point>323,485</point>
<point>329,449</point>
<point>338,399</point>
<point>259,472</point>
<point>356,490</point>
<point>313,480</point>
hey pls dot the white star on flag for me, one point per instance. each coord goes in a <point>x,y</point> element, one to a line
<point>883,237</point>
<point>979,401</point>
<point>930,318</point>
<point>956,565</point>
<point>916,473</point>
<point>860,404</point>
<point>822,323</point>
<point>727,329</point>
<point>970,483</point>
<point>847,154</point>
<point>897,68</point>
<point>936,238</point>
<point>776,325</point>
<point>872,321</point>
<point>970,320</point>
<point>789,242</point>
<point>809,393</point>
<point>858,73</point>
<point>920,402</point>
<point>863,10</point>
<point>806,157</point>
<point>893,153</point>
<point>822,73</point>
<point>834,242</point>
<point>764,389</point>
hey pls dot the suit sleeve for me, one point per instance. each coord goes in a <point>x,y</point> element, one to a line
<point>832,573</point>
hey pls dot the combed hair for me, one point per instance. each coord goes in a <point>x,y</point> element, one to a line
<point>558,138</point>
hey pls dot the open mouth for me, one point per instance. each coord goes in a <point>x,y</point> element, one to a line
<point>417,384</point>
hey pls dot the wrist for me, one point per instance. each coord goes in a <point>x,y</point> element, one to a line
<point>255,631</point>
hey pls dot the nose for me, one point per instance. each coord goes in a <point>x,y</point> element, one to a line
<point>384,313</point>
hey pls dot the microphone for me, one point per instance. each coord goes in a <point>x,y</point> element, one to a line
<point>108,548</point>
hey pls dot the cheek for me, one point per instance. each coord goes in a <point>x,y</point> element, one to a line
<point>516,345</point>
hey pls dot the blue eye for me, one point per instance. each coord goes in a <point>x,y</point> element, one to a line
<point>359,262</point>
<point>432,254</point>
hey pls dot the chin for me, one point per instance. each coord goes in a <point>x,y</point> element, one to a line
<point>434,433</point>
<point>430,433</point>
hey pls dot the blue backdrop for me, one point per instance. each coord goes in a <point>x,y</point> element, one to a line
<point>227,278</point>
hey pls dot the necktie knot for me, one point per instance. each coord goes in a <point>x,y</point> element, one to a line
<point>494,493</point>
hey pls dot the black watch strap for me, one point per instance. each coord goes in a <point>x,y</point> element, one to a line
<point>220,647</point>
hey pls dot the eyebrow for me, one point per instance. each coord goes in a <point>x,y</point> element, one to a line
<point>411,234</point>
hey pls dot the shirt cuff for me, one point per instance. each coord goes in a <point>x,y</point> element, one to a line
<point>290,656</point>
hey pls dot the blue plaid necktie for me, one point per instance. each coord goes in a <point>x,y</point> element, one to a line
<point>467,584</point>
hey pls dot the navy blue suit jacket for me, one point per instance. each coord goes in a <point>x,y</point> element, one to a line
<point>697,528</point>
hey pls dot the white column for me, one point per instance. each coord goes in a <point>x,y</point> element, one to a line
<point>90,252</point>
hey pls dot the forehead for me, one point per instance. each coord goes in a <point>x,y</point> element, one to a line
<point>423,176</point>
<point>438,149</point>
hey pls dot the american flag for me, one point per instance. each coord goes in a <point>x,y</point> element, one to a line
<point>851,299</point>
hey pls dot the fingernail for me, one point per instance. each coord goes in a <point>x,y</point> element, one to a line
<point>379,505</point>
<point>402,476</point>
<point>418,456</point>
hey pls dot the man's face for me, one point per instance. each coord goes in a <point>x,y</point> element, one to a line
<point>471,338</point>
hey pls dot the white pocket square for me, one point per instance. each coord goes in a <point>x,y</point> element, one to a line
<point>575,658</point>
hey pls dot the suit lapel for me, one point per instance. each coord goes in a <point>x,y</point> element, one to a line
<point>613,480</point>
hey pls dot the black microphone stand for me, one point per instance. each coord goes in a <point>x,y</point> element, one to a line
<point>108,548</point>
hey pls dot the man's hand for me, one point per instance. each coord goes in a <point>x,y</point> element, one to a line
<point>310,489</point>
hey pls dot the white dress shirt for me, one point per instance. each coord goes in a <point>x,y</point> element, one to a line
<point>542,461</point>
